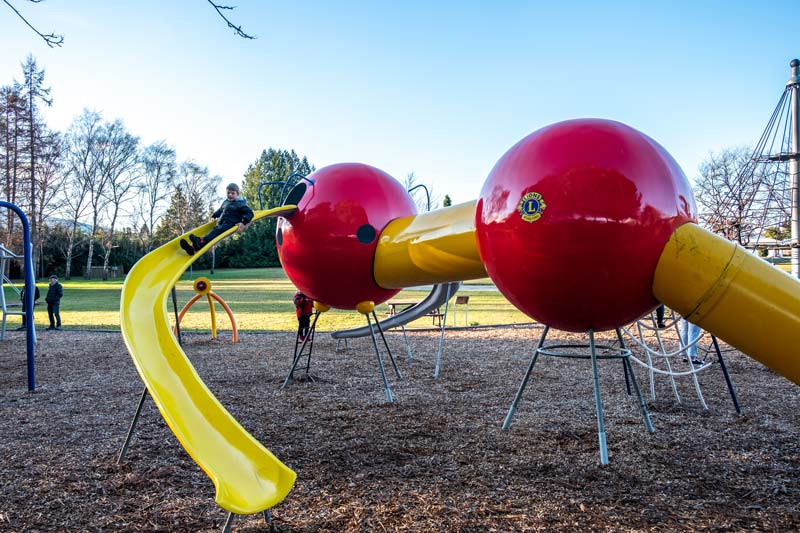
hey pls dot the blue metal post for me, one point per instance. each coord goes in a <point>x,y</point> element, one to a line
<point>29,290</point>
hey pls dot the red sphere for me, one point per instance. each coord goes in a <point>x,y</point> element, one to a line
<point>327,246</point>
<point>572,220</point>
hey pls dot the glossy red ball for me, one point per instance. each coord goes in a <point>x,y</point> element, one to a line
<point>572,220</point>
<point>327,246</point>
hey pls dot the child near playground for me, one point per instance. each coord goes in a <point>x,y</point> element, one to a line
<point>304,307</point>
<point>53,298</point>
<point>233,211</point>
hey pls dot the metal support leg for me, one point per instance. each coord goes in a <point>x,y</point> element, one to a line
<point>598,402</point>
<point>624,366</point>
<point>408,344</point>
<point>268,520</point>
<point>310,339</point>
<point>380,362</point>
<point>228,523</point>
<point>724,368</point>
<point>513,408</point>
<point>175,309</point>
<point>135,420</point>
<point>391,357</point>
<point>443,324</point>
<point>642,406</point>
<point>295,360</point>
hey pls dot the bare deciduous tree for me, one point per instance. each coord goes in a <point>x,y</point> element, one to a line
<point>118,157</point>
<point>159,168</point>
<point>81,140</point>
<point>739,197</point>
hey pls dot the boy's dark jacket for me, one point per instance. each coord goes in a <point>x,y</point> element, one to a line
<point>54,293</point>
<point>231,213</point>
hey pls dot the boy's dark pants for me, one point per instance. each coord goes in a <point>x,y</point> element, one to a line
<point>216,231</point>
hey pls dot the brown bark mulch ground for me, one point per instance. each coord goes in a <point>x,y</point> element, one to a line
<point>435,460</point>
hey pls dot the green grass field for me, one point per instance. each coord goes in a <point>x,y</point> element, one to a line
<point>261,299</point>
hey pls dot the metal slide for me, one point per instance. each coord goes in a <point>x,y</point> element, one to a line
<point>437,297</point>
<point>248,477</point>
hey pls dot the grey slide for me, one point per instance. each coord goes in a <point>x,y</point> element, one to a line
<point>437,297</point>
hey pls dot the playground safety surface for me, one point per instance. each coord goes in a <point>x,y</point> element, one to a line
<point>436,460</point>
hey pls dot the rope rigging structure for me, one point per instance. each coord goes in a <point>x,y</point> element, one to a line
<point>764,192</point>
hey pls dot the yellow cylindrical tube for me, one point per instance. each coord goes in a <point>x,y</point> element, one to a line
<point>733,294</point>
<point>433,247</point>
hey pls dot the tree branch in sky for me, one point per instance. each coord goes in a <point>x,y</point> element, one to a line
<point>51,38</point>
<point>219,8</point>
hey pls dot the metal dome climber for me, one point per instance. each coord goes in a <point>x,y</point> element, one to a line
<point>646,335</point>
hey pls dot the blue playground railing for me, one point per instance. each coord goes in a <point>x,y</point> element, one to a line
<point>29,289</point>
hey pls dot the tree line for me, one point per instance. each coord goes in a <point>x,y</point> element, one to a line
<point>96,197</point>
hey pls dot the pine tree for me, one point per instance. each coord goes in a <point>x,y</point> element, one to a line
<point>33,93</point>
<point>256,247</point>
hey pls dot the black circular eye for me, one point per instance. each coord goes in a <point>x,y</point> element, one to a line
<point>279,237</point>
<point>366,234</point>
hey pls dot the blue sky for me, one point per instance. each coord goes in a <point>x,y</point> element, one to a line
<point>441,89</point>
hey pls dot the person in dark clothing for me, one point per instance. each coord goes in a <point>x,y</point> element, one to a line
<point>36,296</point>
<point>660,316</point>
<point>233,211</point>
<point>53,298</point>
<point>304,307</point>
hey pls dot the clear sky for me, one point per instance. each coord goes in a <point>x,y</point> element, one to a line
<point>441,89</point>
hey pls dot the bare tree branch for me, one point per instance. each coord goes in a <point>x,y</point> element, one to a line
<point>237,29</point>
<point>51,38</point>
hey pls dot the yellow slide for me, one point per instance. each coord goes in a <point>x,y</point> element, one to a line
<point>248,477</point>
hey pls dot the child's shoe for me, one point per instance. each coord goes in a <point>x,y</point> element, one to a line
<point>197,242</point>
<point>187,247</point>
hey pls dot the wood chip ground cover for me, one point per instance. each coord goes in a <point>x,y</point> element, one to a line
<point>436,460</point>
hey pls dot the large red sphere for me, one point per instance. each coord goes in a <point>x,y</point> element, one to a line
<point>572,220</point>
<point>327,246</point>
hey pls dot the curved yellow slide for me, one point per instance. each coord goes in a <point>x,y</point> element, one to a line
<point>248,477</point>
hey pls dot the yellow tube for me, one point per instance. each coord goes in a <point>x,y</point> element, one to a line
<point>433,247</point>
<point>733,294</point>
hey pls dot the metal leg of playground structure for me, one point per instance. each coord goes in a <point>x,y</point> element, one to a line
<point>513,408</point>
<point>229,521</point>
<point>299,353</point>
<point>441,337</point>
<point>724,368</point>
<point>626,362</point>
<point>391,357</point>
<point>408,344</point>
<point>598,402</point>
<point>623,353</point>
<point>142,398</point>
<point>135,420</point>
<point>380,361</point>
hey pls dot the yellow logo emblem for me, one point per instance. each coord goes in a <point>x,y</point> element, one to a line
<point>531,206</point>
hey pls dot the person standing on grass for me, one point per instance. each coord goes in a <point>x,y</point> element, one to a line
<point>233,211</point>
<point>54,293</point>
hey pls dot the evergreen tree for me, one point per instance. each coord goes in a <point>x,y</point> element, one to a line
<point>256,247</point>
<point>447,202</point>
<point>176,219</point>
<point>33,93</point>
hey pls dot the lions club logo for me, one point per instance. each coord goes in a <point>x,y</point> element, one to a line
<point>531,206</point>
